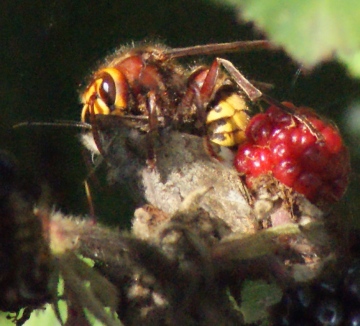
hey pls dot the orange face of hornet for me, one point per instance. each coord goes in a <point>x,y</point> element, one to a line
<point>138,85</point>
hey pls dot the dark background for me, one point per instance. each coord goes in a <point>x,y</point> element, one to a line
<point>48,48</point>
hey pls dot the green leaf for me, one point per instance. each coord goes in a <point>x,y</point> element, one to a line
<point>352,62</point>
<point>257,296</point>
<point>311,31</point>
<point>46,316</point>
<point>4,320</point>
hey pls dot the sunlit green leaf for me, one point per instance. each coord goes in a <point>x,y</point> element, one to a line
<point>310,31</point>
<point>256,297</point>
<point>47,316</point>
<point>352,61</point>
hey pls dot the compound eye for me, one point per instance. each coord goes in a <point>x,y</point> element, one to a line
<point>107,91</point>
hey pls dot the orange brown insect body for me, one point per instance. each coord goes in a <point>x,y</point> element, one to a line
<point>149,90</point>
<point>139,87</point>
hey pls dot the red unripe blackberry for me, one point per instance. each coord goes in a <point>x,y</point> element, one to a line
<point>315,164</point>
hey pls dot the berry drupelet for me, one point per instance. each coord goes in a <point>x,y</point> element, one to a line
<point>312,161</point>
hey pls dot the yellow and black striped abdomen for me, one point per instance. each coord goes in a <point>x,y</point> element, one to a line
<point>227,119</point>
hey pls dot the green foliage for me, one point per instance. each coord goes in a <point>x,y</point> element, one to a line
<point>310,31</point>
<point>256,297</point>
<point>46,316</point>
<point>4,320</point>
<point>41,317</point>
